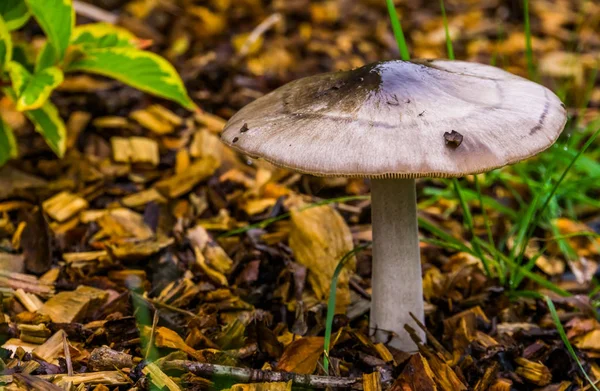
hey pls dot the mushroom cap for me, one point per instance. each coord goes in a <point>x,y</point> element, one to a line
<point>400,119</point>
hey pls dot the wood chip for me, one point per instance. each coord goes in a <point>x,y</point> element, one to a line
<point>71,306</point>
<point>64,205</point>
<point>534,372</point>
<point>135,150</point>
<point>184,182</point>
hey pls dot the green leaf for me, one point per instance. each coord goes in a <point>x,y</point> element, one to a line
<point>57,19</point>
<point>5,44</point>
<point>32,91</point>
<point>47,122</point>
<point>8,145</point>
<point>38,89</point>
<point>24,54</point>
<point>46,58</point>
<point>102,35</point>
<point>14,13</point>
<point>140,69</point>
<point>19,76</point>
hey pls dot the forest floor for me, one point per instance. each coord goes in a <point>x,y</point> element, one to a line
<point>153,257</point>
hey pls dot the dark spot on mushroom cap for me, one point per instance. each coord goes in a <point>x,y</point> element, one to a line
<point>563,105</point>
<point>453,139</point>
<point>235,139</point>
<point>244,128</point>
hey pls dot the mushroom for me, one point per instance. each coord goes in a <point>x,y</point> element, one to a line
<point>395,121</point>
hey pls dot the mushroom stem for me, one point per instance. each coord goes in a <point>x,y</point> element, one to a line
<point>396,279</point>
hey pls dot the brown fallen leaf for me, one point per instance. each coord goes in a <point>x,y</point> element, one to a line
<point>589,341</point>
<point>320,238</point>
<point>301,356</point>
<point>416,376</point>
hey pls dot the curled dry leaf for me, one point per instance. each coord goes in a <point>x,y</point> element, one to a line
<point>319,239</point>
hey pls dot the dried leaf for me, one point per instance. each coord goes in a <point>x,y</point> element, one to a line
<point>273,386</point>
<point>416,376</point>
<point>301,356</point>
<point>319,239</point>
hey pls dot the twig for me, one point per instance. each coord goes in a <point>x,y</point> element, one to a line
<point>432,340</point>
<point>90,11</point>
<point>247,375</point>
<point>166,306</point>
<point>258,31</point>
<point>67,355</point>
<point>359,289</point>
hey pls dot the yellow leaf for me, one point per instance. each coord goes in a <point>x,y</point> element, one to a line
<point>279,386</point>
<point>301,356</point>
<point>319,239</point>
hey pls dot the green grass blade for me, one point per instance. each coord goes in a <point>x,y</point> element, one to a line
<point>468,220</point>
<point>397,28</point>
<point>488,229</point>
<point>528,44</point>
<point>540,212</point>
<point>331,302</point>
<point>563,336</point>
<point>449,47</point>
<point>514,267</point>
<point>443,235</point>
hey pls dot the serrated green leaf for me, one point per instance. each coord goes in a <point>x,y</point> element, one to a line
<point>5,44</point>
<point>8,144</point>
<point>46,58</point>
<point>140,69</point>
<point>102,35</point>
<point>19,77</point>
<point>46,122</point>
<point>38,88</point>
<point>57,19</point>
<point>14,13</point>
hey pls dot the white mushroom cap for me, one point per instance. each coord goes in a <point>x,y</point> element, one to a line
<point>400,119</point>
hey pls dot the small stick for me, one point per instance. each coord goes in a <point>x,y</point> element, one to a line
<point>258,31</point>
<point>90,11</point>
<point>359,289</point>
<point>156,303</point>
<point>67,355</point>
<point>247,375</point>
<point>431,339</point>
